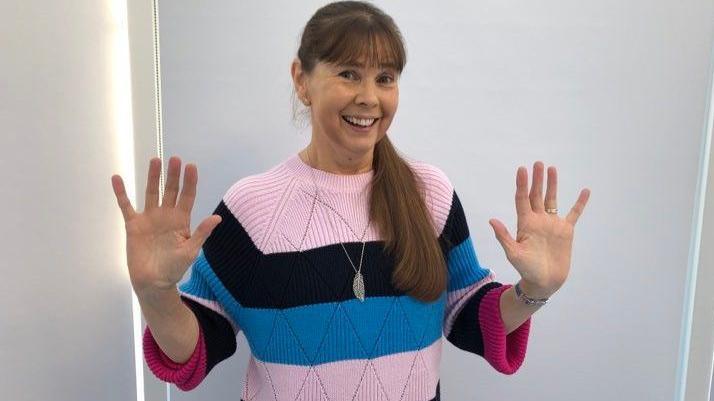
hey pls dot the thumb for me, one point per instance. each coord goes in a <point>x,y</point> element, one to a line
<point>502,235</point>
<point>204,230</point>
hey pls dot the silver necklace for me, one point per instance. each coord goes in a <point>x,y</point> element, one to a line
<point>358,281</point>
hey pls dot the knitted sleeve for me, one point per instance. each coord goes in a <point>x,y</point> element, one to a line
<point>472,318</point>
<point>215,309</point>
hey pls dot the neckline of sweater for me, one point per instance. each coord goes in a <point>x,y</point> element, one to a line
<point>327,180</point>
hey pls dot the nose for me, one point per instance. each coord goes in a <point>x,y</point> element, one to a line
<point>367,94</point>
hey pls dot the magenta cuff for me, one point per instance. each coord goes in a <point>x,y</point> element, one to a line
<point>185,375</point>
<point>504,352</point>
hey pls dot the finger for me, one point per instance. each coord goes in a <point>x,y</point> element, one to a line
<point>124,203</point>
<point>152,184</point>
<point>204,230</point>
<point>172,182</point>
<point>579,206</point>
<point>523,206</point>
<point>502,235</point>
<point>188,192</point>
<point>536,194</point>
<point>552,191</point>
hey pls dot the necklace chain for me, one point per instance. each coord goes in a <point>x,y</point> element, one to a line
<point>358,281</point>
<point>343,246</point>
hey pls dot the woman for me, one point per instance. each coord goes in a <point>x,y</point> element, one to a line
<point>345,264</point>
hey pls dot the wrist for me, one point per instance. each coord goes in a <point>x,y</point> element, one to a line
<point>158,296</point>
<point>533,291</point>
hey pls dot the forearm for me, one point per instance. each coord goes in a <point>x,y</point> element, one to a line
<point>172,323</point>
<point>515,312</point>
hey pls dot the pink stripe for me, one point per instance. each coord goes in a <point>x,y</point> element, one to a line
<point>402,376</point>
<point>185,375</point>
<point>280,201</point>
<point>455,301</point>
<point>439,191</point>
<point>504,352</point>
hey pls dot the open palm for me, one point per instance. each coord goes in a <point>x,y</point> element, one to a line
<point>160,247</point>
<point>541,251</point>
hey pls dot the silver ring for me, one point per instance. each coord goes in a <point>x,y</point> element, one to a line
<point>552,211</point>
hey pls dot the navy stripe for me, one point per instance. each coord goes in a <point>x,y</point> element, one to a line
<point>217,333</point>
<point>456,229</point>
<point>466,332</point>
<point>231,253</point>
<point>324,274</point>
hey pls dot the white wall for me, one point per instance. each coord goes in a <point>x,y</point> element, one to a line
<point>66,331</point>
<point>612,93</point>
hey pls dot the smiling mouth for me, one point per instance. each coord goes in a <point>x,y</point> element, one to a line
<point>357,124</point>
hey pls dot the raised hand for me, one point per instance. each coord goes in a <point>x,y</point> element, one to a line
<point>159,244</point>
<point>543,244</point>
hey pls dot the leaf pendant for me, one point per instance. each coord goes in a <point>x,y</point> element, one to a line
<point>358,286</point>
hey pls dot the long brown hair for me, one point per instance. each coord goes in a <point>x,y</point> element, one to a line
<point>341,32</point>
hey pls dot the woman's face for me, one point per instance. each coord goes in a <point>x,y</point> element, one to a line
<point>339,94</point>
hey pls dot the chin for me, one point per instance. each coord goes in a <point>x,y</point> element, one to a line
<point>360,146</point>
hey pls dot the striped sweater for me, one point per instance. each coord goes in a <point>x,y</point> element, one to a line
<point>275,270</point>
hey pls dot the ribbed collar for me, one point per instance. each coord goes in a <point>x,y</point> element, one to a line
<point>326,180</point>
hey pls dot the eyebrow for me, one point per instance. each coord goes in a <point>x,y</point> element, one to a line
<point>361,65</point>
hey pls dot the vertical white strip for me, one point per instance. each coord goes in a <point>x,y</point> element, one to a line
<point>124,125</point>
<point>695,242</point>
<point>159,117</point>
<point>157,88</point>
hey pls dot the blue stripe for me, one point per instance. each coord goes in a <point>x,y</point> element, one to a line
<point>204,283</point>
<point>196,284</point>
<point>327,332</point>
<point>464,268</point>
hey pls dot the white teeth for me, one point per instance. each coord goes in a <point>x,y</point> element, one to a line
<point>365,122</point>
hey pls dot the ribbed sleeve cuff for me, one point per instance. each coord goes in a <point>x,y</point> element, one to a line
<point>504,352</point>
<point>185,375</point>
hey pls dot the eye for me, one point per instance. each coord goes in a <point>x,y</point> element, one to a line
<point>347,72</point>
<point>389,78</point>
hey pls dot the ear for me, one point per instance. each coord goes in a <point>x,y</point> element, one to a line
<point>299,79</point>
